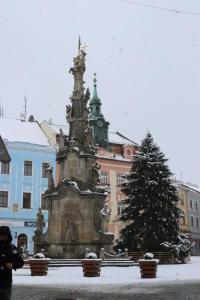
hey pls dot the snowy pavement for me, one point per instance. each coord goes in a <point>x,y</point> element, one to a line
<point>72,276</point>
<point>173,282</point>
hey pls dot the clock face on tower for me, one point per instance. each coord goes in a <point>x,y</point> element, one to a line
<point>100,123</point>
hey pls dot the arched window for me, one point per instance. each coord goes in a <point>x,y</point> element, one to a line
<point>22,240</point>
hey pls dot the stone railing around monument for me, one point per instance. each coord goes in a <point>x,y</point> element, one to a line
<point>105,255</point>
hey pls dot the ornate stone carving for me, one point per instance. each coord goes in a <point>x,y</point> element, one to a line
<point>96,173</point>
<point>40,220</point>
<point>70,226</point>
<point>71,230</point>
<point>51,184</point>
<point>105,216</point>
<point>75,221</point>
<point>68,113</point>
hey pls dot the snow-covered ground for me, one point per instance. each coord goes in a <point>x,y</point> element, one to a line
<point>110,275</point>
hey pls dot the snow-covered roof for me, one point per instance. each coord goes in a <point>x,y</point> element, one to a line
<point>189,186</point>
<point>57,127</point>
<point>193,187</point>
<point>113,137</point>
<point>14,130</point>
<point>118,138</point>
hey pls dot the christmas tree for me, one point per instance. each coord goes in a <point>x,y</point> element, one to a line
<point>151,213</point>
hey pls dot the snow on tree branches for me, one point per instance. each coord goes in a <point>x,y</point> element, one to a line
<point>151,213</point>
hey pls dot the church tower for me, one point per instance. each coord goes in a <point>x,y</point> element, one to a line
<point>97,120</point>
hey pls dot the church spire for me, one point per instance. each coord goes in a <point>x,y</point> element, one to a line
<point>95,99</point>
<point>97,120</point>
<point>95,86</point>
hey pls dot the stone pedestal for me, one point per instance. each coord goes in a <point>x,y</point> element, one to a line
<point>74,224</point>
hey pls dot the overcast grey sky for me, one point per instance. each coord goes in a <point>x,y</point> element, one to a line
<point>147,63</point>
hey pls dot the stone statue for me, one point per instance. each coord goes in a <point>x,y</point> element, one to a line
<point>105,216</point>
<point>61,141</point>
<point>40,220</point>
<point>87,136</point>
<point>87,96</point>
<point>81,59</point>
<point>71,230</point>
<point>68,113</point>
<point>96,173</point>
<point>51,184</point>
<point>76,61</point>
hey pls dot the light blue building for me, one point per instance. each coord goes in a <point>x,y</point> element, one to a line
<point>24,179</point>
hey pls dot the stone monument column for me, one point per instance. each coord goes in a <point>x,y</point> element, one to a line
<point>75,204</point>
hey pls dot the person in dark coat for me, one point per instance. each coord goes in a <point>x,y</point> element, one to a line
<point>9,259</point>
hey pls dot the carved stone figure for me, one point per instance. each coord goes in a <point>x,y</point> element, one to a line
<point>51,184</point>
<point>71,230</point>
<point>76,61</point>
<point>87,96</point>
<point>105,216</point>
<point>68,113</point>
<point>96,173</point>
<point>81,59</point>
<point>61,141</point>
<point>40,220</point>
<point>87,136</point>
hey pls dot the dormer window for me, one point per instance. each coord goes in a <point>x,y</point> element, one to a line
<point>128,152</point>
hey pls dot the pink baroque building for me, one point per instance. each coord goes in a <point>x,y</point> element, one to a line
<point>115,163</point>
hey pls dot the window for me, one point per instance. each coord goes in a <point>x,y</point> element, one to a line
<point>104,178</point>
<point>3,199</point>
<point>120,179</point>
<point>44,170</point>
<point>128,152</point>
<point>44,203</point>
<point>5,167</point>
<point>120,209</point>
<point>191,204</point>
<point>196,205</point>
<point>192,221</point>
<point>197,222</point>
<point>27,200</point>
<point>27,168</point>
